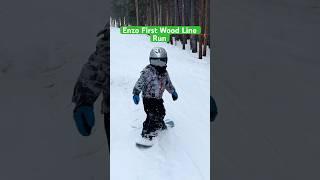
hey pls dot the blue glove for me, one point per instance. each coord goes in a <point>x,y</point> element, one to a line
<point>136,99</point>
<point>174,95</point>
<point>84,118</point>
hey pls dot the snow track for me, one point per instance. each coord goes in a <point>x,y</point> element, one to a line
<point>182,152</point>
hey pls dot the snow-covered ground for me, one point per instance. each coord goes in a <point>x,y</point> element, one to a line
<point>184,151</point>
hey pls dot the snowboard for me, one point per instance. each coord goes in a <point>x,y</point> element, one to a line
<point>146,143</point>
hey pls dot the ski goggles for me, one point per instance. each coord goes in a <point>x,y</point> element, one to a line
<point>159,61</point>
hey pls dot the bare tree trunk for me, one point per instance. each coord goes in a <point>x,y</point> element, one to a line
<point>193,42</point>
<point>206,26</point>
<point>201,24</point>
<point>175,12</point>
<point>196,10</point>
<point>160,12</point>
<point>171,14</point>
<point>183,24</point>
<point>157,12</point>
<point>167,12</point>
<point>154,12</point>
<point>147,17</point>
<point>137,12</point>
<point>150,13</point>
<point>175,17</point>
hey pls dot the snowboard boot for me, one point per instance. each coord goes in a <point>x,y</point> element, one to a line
<point>150,136</point>
<point>164,126</point>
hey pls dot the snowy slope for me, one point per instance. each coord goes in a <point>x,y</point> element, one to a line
<point>184,151</point>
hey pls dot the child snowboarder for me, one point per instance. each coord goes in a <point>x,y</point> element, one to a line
<point>154,79</point>
<point>94,80</point>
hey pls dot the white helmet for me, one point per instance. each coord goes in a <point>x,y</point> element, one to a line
<point>158,57</point>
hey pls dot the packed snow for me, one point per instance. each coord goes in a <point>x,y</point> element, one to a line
<point>182,152</point>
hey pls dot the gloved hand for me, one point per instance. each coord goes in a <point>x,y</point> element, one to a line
<point>213,109</point>
<point>84,118</point>
<point>174,95</point>
<point>136,99</point>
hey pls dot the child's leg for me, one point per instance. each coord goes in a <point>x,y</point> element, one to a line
<point>147,124</point>
<point>160,114</point>
<point>155,114</point>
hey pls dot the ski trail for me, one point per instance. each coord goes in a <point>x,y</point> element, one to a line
<point>182,152</point>
<point>187,153</point>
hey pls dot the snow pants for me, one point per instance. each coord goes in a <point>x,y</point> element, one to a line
<point>155,111</point>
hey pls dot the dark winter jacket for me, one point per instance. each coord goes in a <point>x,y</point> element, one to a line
<point>94,77</point>
<point>152,83</point>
